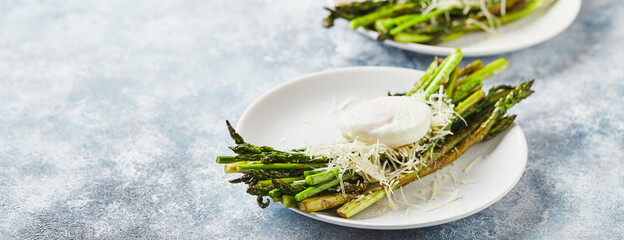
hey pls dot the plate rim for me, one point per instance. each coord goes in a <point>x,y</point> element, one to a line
<point>523,149</point>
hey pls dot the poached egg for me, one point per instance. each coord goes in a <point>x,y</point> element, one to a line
<point>393,120</point>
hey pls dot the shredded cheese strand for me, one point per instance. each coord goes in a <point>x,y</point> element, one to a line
<point>473,163</point>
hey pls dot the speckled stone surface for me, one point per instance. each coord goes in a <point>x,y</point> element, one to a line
<point>111,115</point>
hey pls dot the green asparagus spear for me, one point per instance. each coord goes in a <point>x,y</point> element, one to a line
<point>445,71</point>
<point>450,86</point>
<point>465,89</point>
<point>289,201</point>
<point>412,38</point>
<point>386,11</point>
<point>500,126</point>
<point>319,203</point>
<point>425,78</point>
<point>269,182</point>
<point>383,25</point>
<point>488,71</point>
<point>288,188</point>
<point>470,68</point>
<point>353,207</point>
<point>415,20</point>
<point>237,138</point>
<point>322,176</point>
<point>276,195</point>
<point>470,102</point>
<point>351,11</point>
<point>313,190</point>
<point>246,148</point>
<point>281,166</point>
<point>225,159</point>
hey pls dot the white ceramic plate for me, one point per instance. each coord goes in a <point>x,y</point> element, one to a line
<point>536,28</point>
<point>306,111</point>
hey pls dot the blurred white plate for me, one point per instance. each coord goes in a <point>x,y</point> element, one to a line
<point>536,28</point>
<point>307,109</point>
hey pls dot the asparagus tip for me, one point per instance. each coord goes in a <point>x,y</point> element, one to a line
<point>237,138</point>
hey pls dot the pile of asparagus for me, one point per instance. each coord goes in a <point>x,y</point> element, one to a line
<point>418,21</point>
<point>306,182</point>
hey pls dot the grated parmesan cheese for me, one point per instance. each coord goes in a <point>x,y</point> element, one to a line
<point>452,174</point>
<point>464,181</point>
<point>439,192</point>
<point>366,159</point>
<point>454,196</point>
<point>419,197</point>
<point>471,164</point>
<point>434,188</point>
<point>345,103</point>
<point>304,121</point>
<point>335,106</point>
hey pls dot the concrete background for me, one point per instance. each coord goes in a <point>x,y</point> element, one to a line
<point>111,115</point>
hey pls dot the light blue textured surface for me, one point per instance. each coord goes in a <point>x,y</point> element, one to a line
<point>111,115</point>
